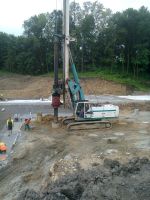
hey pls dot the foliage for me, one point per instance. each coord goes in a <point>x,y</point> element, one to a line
<point>141,84</point>
<point>117,43</point>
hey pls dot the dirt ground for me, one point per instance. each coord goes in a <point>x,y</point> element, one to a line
<point>31,87</point>
<point>44,159</point>
<point>54,164</point>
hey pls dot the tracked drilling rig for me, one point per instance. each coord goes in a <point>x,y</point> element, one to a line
<point>84,112</point>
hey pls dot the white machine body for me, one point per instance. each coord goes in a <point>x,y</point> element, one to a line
<point>88,111</point>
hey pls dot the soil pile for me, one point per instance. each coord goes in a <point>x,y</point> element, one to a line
<point>111,181</point>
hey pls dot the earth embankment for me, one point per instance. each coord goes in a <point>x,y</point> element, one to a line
<point>33,87</point>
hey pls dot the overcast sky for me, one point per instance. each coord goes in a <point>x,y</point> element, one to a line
<point>14,12</point>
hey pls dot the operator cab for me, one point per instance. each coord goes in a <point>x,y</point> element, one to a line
<point>83,110</point>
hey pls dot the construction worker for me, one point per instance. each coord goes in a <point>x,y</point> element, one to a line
<point>27,124</point>
<point>10,125</point>
<point>81,114</point>
<point>3,147</point>
<point>1,97</point>
<point>16,117</point>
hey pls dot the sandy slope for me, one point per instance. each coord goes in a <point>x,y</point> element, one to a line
<point>29,87</point>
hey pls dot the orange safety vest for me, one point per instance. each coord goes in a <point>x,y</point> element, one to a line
<point>3,147</point>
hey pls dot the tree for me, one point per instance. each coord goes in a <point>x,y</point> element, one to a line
<point>118,42</point>
<point>35,28</point>
<point>89,23</point>
<point>132,30</point>
<point>10,59</point>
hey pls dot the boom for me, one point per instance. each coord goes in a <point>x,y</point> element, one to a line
<point>75,90</point>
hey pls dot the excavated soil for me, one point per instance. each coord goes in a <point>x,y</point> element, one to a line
<point>111,181</point>
<point>31,87</point>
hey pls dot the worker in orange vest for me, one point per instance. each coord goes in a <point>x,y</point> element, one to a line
<point>27,124</point>
<point>3,147</point>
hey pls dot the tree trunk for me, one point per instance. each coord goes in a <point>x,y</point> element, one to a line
<point>122,67</point>
<point>134,70</point>
<point>82,67</point>
<point>137,73</point>
<point>128,62</point>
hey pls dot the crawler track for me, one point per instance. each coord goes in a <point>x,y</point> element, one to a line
<point>87,125</point>
<point>68,120</point>
<point>83,125</point>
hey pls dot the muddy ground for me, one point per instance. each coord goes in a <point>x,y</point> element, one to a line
<point>55,164</point>
<point>110,181</point>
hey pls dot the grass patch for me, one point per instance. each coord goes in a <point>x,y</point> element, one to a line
<point>3,73</point>
<point>139,84</point>
<point>142,84</point>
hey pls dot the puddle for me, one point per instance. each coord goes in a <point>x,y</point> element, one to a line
<point>142,131</point>
<point>110,151</point>
<point>93,135</point>
<point>143,143</point>
<point>3,157</point>
<point>3,160</point>
<point>119,134</point>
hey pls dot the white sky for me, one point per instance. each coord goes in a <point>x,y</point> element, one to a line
<point>14,12</point>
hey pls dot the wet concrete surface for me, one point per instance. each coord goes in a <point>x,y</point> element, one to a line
<point>27,109</point>
<point>10,139</point>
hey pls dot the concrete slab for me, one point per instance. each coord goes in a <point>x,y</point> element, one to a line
<point>10,140</point>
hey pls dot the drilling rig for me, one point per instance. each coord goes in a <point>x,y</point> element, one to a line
<point>84,112</point>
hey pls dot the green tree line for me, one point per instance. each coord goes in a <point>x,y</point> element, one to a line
<point>117,42</point>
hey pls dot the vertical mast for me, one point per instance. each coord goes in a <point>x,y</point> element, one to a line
<point>55,86</point>
<point>56,90</point>
<point>66,40</point>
